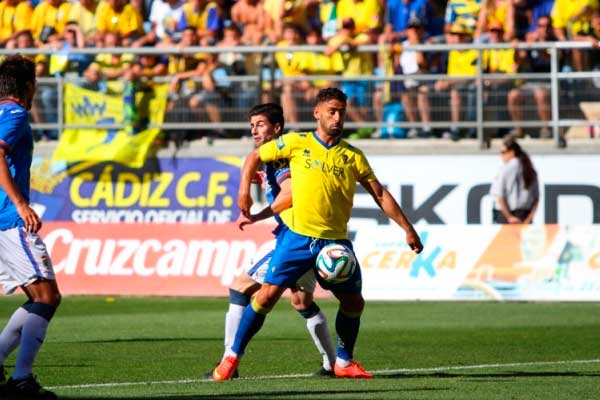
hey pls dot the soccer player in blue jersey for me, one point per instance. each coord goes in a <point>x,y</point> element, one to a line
<point>24,261</point>
<point>325,170</point>
<point>267,123</point>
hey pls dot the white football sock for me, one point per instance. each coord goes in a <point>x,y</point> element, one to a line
<point>232,322</point>
<point>342,363</point>
<point>319,330</point>
<point>32,337</point>
<point>10,336</point>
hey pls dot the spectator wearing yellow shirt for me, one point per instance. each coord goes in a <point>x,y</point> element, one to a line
<point>83,13</point>
<point>366,14</point>
<point>289,63</point>
<point>50,16</point>
<point>106,71</point>
<point>119,17</point>
<point>465,12</point>
<point>498,61</point>
<point>353,64</point>
<point>460,63</point>
<point>571,18</point>
<point>15,16</point>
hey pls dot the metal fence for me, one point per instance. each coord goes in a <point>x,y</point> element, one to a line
<point>573,97</point>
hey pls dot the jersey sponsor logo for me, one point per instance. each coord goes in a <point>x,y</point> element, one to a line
<point>15,111</point>
<point>328,169</point>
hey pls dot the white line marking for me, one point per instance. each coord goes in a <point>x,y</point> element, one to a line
<point>292,376</point>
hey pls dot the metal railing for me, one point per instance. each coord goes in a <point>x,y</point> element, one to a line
<point>264,83</point>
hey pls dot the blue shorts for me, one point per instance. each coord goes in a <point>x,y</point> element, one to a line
<point>356,91</point>
<point>296,254</point>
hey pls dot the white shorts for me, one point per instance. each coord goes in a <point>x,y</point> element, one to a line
<point>23,259</point>
<point>260,264</point>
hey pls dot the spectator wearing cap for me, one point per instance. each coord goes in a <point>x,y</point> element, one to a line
<point>497,12</point>
<point>16,16</point>
<point>460,63</point>
<point>464,12</point>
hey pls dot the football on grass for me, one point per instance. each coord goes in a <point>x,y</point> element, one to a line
<point>335,263</point>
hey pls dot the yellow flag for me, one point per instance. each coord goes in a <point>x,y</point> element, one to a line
<point>127,147</point>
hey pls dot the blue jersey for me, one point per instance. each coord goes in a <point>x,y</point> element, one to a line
<point>17,141</point>
<point>275,173</point>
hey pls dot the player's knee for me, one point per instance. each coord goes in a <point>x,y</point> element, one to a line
<point>309,311</point>
<point>352,305</point>
<point>301,300</point>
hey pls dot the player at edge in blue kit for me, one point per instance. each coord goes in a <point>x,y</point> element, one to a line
<point>24,260</point>
<point>266,124</point>
<point>325,170</point>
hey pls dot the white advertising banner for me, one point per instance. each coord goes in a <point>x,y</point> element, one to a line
<point>453,189</point>
<point>508,262</point>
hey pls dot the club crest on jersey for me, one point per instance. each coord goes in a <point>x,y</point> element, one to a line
<point>306,153</point>
<point>45,260</point>
<point>345,158</point>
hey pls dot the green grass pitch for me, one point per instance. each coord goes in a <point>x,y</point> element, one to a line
<point>159,348</point>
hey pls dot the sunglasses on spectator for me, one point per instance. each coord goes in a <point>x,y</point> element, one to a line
<point>496,30</point>
<point>504,151</point>
<point>543,25</point>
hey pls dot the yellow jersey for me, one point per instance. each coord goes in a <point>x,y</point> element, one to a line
<point>46,15</point>
<point>367,14</point>
<point>323,182</point>
<point>564,10</point>
<point>462,62</point>
<point>125,23</point>
<point>14,18</point>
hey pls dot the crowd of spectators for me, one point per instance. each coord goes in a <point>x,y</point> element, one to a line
<point>199,84</point>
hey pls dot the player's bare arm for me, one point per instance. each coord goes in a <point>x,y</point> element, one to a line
<point>392,209</point>
<point>32,222</point>
<point>283,201</point>
<point>247,175</point>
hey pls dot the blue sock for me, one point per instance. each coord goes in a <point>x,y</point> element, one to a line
<point>347,331</point>
<point>250,324</point>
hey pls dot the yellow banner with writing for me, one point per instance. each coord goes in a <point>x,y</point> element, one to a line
<point>128,146</point>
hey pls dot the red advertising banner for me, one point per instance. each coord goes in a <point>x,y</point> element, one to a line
<point>152,259</point>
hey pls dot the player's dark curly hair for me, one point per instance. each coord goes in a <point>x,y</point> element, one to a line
<point>272,111</point>
<point>331,94</point>
<point>529,172</point>
<point>15,73</point>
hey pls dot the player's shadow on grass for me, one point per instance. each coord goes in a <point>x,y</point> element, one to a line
<point>507,374</point>
<point>258,395</point>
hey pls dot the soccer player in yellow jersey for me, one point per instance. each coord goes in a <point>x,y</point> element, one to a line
<point>325,170</point>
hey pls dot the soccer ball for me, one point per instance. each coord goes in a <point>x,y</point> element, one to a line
<point>335,263</point>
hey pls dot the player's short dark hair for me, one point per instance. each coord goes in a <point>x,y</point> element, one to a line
<point>15,72</point>
<point>272,111</point>
<point>331,94</point>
